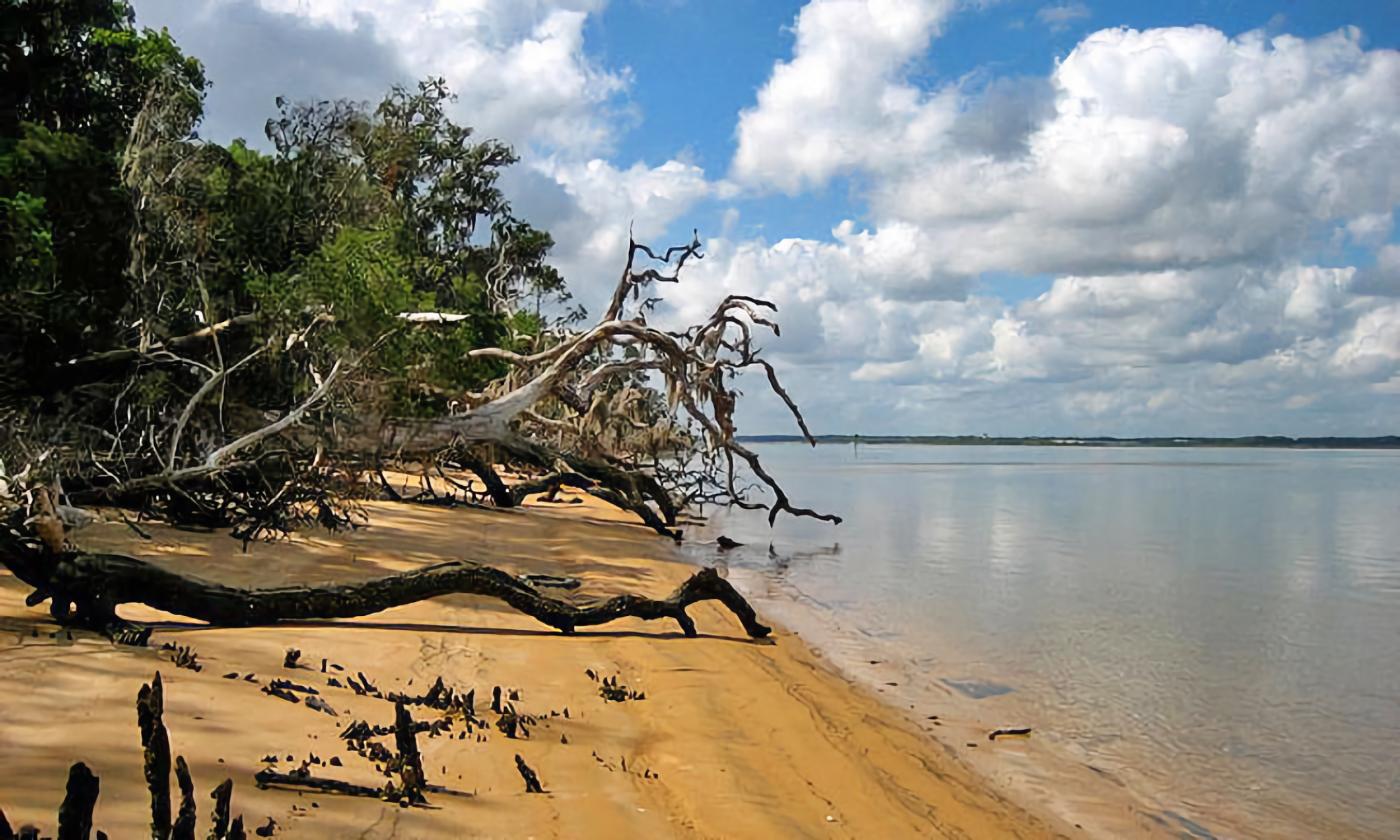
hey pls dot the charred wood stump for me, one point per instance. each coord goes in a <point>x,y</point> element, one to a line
<point>221,796</point>
<point>155,743</point>
<point>75,814</point>
<point>183,829</point>
<point>532,782</point>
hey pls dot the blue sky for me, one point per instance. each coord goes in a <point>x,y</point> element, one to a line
<point>687,97</point>
<point>1002,216</point>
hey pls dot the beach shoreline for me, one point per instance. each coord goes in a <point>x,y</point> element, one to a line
<point>1188,643</point>
<point>734,739</point>
<point>1042,773</point>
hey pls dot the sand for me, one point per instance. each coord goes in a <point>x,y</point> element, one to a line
<point>735,738</point>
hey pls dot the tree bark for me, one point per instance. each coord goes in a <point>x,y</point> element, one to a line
<point>410,761</point>
<point>221,796</point>
<point>183,829</point>
<point>75,814</point>
<point>87,588</point>
<point>155,742</point>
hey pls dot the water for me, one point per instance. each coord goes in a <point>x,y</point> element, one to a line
<point>1219,628</point>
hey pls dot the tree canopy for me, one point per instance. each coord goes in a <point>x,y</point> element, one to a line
<point>245,336</point>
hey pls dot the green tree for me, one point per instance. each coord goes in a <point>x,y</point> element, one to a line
<point>73,75</point>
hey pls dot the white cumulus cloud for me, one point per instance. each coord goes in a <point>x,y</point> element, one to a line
<point>1178,184</point>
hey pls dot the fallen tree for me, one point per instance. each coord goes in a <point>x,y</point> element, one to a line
<point>85,589</point>
<point>586,390</point>
<point>262,370</point>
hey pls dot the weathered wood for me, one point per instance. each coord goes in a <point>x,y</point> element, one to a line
<point>500,494</point>
<point>183,829</point>
<point>155,742</point>
<point>409,761</point>
<point>75,814</point>
<point>1012,732</point>
<point>532,782</point>
<point>86,589</point>
<point>221,796</point>
<point>303,780</point>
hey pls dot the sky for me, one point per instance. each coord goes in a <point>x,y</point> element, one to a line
<point>1007,217</point>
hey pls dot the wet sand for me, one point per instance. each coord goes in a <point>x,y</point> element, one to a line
<point>734,739</point>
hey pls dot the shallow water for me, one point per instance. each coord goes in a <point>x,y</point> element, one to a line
<point>1220,627</point>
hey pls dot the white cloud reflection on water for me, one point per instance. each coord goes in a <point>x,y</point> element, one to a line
<point>1221,627</point>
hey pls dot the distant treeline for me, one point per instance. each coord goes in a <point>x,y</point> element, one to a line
<point>1255,441</point>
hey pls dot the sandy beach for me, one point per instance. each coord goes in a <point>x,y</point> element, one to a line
<point>734,738</point>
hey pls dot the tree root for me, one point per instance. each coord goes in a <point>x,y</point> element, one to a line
<point>75,815</point>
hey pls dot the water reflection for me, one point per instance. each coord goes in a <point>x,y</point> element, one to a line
<point>1224,622</point>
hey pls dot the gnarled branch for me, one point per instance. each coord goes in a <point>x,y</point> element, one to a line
<point>86,589</point>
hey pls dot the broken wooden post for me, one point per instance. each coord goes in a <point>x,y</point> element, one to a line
<point>221,796</point>
<point>184,823</point>
<point>532,782</point>
<point>150,707</point>
<point>410,762</point>
<point>75,814</point>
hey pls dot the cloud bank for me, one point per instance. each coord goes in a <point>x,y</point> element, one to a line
<point>1209,210</point>
<point>1204,224</point>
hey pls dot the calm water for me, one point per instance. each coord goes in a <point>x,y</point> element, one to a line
<point>1221,627</point>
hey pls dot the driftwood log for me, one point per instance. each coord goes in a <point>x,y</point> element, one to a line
<point>86,589</point>
<point>222,796</point>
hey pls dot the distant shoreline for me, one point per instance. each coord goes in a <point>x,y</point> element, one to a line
<point>1250,442</point>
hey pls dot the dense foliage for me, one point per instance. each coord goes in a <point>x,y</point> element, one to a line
<point>248,335</point>
<point>121,230</point>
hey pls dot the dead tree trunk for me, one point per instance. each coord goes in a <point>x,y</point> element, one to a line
<point>222,796</point>
<point>409,761</point>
